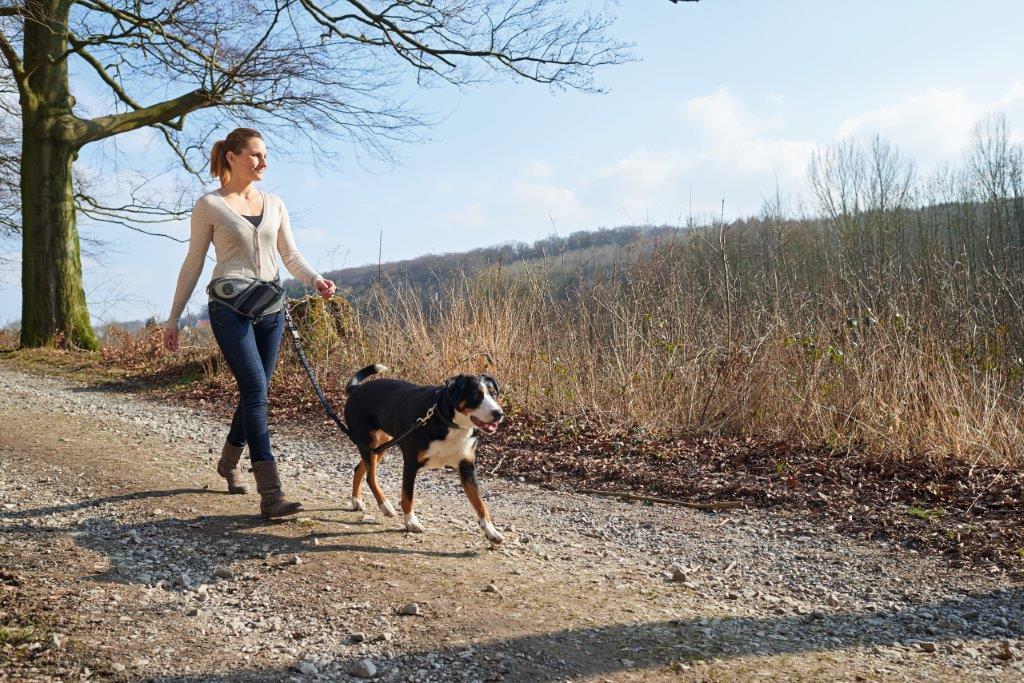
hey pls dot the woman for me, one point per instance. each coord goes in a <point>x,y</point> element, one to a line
<point>245,225</point>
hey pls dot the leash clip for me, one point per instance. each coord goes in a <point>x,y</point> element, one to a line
<point>426,417</point>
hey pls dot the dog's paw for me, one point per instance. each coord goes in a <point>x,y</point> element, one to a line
<point>387,509</point>
<point>412,524</point>
<point>492,534</point>
<point>357,504</point>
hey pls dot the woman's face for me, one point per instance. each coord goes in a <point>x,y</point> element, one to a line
<point>250,163</point>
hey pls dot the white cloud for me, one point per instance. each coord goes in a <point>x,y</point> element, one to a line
<point>527,199</point>
<point>742,141</point>
<point>469,216</point>
<point>538,170</point>
<point>727,148</point>
<point>645,168</point>
<point>932,125</point>
<point>1012,96</point>
<point>532,201</point>
<point>723,116</point>
<point>626,190</point>
<point>936,125</point>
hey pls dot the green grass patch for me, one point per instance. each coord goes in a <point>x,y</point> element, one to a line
<point>927,514</point>
<point>17,635</point>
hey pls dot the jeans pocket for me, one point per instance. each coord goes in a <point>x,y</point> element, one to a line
<point>220,315</point>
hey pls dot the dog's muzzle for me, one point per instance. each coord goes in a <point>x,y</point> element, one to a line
<point>488,427</point>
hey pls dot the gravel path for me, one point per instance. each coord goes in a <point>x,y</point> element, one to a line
<point>114,530</point>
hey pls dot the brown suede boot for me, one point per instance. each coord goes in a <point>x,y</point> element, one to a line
<point>268,485</point>
<point>228,468</point>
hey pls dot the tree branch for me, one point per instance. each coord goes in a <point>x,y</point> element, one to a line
<point>176,148</point>
<point>164,112</point>
<point>80,50</point>
<point>14,64</point>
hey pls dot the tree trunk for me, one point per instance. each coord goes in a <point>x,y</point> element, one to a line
<point>53,309</point>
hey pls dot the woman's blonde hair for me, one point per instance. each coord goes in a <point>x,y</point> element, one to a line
<point>235,142</point>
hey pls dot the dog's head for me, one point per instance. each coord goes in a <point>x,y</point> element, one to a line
<point>476,397</point>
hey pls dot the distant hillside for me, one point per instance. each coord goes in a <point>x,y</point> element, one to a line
<point>585,248</point>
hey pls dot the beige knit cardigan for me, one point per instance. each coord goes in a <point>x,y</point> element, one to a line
<point>241,249</point>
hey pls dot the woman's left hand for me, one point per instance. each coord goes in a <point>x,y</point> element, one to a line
<point>324,288</point>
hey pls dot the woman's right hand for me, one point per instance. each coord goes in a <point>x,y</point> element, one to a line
<point>171,337</point>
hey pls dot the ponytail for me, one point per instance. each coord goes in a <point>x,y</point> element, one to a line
<point>219,161</point>
<point>235,142</point>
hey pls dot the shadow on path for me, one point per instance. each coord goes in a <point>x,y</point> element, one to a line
<point>593,652</point>
<point>185,552</point>
<point>97,502</point>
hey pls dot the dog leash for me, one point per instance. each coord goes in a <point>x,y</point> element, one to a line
<point>301,353</point>
<point>304,361</point>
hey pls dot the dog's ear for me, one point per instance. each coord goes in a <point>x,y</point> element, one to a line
<point>491,384</point>
<point>456,387</point>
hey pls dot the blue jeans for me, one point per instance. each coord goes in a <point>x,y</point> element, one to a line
<point>251,348</point>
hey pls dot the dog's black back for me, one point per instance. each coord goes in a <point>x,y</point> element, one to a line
<point>392,406</point>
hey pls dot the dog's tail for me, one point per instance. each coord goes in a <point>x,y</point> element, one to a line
<point>359,377</point>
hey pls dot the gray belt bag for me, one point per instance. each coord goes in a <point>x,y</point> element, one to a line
<point>246,296</point>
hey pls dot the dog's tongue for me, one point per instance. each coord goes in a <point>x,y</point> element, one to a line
<point>489,427</point>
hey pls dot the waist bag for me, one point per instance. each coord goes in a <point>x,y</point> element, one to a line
<point>248,297</point>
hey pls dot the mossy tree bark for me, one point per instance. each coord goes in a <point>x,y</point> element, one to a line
<point>53,305</point>
<point>53,299</point>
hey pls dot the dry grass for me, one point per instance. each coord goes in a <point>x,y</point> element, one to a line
<point>651,344</point>
<point>644,346</point>
<point>890,325</point>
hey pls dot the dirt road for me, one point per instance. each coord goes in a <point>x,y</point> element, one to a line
<point>120,558</point>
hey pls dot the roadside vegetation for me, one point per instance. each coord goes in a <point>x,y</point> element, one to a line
<point>862,358</point>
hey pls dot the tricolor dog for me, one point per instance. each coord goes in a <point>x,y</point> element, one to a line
<point>380,410</point>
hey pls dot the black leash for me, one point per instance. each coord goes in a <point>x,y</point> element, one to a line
<point>301,353</point>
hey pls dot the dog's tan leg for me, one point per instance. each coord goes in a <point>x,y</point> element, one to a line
<point>467,474</point>
<point>408,486</point>
<point>357,486</point>
<point>376,439</point>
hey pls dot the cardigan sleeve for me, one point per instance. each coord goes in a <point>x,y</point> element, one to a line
<point>293,261</point>
<point>200,237</point>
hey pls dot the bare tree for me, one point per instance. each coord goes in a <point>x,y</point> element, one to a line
<point>304,69</point>
<point>890,176</point>
<point>992,160</point>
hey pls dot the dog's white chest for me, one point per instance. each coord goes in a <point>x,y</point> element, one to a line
<point>458,445</point>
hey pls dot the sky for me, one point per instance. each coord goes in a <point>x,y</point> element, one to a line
<point>725,102</point>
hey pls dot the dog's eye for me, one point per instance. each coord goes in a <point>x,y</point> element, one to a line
<point>491,384</point>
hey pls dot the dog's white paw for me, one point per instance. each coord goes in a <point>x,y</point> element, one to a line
<point>357,504</point>
<point>492,534</point>
<point>387,509</point>
<point>412,524</point>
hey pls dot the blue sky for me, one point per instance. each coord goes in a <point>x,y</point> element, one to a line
<point>726,99</point>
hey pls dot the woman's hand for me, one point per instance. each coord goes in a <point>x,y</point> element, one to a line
<point>171,337</point>
<point>324,288</point>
